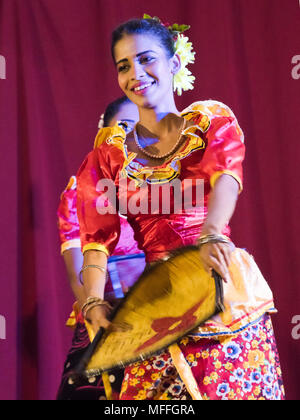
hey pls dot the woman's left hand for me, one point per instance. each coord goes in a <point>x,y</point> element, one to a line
<point>217,256</point>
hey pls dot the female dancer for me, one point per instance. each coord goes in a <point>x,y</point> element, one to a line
<point>233,355</point>
<point>121,111</point>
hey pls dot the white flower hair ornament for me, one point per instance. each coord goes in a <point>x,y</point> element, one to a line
<point>184,79</point>
<point>101,122</point>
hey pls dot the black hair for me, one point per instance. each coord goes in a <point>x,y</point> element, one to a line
<point>145,26</point>
<point>113,108</point>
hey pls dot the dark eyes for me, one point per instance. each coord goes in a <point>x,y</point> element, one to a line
<point>123,68</point>
<point>126,126</point>
<point>142,60</point>
<point>146,59</point>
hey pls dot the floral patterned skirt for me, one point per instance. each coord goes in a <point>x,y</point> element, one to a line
<point>240,367</point>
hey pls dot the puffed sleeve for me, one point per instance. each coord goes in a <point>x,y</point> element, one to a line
<point>225,149</point>
<point>97,204</point>
<point>67,220</point>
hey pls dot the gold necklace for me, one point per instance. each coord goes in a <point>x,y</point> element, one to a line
<point>151,155</point>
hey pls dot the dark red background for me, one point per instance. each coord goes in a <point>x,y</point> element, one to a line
<point>59,78</point>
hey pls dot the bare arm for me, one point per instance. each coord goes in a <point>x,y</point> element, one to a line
<point>73,259</point>
<point>222,203</point>
<point>94,284</point>
<point>94,280</point>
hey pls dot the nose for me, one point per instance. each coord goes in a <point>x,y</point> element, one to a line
<point>138,71</point>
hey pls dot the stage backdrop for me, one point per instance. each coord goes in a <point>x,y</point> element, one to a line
<point>56,76</point>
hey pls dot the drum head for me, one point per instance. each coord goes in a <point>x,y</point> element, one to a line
<point>170,299</point>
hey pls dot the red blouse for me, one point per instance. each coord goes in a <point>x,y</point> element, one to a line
<point>68,225</point>
<point>110,176</point>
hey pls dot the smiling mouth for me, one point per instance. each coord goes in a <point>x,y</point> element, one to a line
<point>143,87</point>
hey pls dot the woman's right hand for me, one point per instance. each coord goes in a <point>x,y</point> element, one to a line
<point>217,256</point>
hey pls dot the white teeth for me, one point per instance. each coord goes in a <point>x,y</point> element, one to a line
<point>142,87</point>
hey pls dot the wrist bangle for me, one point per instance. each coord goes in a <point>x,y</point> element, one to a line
<point>102,269</point>
<point>88,308</point>
<point>213,238</point>
<point>91,303</point>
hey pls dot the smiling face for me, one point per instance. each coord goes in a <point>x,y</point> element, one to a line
<point>145,73</point>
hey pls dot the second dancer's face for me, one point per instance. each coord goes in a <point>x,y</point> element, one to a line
<point>145,73</point>
<point>127,113</point>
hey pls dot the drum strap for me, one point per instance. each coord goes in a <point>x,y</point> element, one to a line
<point>107,386</point>
<point>185,371</point>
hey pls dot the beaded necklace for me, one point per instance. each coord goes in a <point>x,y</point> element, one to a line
<point>153,156</point>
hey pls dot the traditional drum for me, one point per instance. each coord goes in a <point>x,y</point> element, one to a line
<point>170,299</point>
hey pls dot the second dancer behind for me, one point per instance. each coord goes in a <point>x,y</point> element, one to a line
<point>123,112</point>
